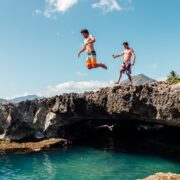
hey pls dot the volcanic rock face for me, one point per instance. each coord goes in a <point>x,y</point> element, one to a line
<point>75,113</point>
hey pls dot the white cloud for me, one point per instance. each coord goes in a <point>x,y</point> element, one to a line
<point>164,78</point>
<point>54,6</point>
<point>61,6</point>
<point>107,5</point>
<point>67,87</point>
<point>73,86</point>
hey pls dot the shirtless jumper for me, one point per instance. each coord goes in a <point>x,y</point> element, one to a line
<point>91,61</point>
<point>126,65</point>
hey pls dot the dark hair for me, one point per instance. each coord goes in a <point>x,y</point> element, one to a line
<point>84,31</point>
<point>125,43</point>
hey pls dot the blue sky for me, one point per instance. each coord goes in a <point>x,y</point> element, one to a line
<point>40,40</point>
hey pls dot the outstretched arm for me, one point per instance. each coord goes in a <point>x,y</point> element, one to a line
<point>133,53</point>
<point>116,56</point>
<point>81,51</point>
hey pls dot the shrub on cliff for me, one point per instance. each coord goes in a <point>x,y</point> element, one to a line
<point>173,77</point>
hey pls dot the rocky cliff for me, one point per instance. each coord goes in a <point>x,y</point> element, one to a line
<point>72,114</point>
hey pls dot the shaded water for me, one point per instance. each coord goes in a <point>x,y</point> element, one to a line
<point>82,162</point>
<point>128,155</point>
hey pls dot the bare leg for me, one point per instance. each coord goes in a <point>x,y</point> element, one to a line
<point>94,64</point>
<point>100,65</point>
<point>130,79</point>
<point>120,75</point>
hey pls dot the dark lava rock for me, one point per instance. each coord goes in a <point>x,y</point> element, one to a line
<point>73,114</point>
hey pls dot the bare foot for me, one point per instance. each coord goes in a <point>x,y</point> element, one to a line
<point>117,83</point>
<point>104,66</point>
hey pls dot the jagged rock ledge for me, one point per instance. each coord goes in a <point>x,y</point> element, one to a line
<point>8,146</point>
<point>69,115</point>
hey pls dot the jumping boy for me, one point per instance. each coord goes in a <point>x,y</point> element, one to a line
<point>126,65</point>
<point>89,41</point>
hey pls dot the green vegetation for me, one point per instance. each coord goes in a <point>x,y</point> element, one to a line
<point>173,77</point>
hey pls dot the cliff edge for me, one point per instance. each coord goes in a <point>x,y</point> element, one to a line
<point>157,102</point>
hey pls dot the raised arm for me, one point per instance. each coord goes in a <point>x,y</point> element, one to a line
<point>133,53</point>
<point>116,56</point>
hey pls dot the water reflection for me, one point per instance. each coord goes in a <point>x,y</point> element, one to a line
<point>23,166</point>
<point>82,163</point>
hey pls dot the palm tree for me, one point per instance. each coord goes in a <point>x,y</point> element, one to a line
<point>173,77</point>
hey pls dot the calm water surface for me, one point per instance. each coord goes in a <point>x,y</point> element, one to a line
<point>81,162</point>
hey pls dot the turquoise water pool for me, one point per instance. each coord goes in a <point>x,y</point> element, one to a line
<point>81,162</point>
